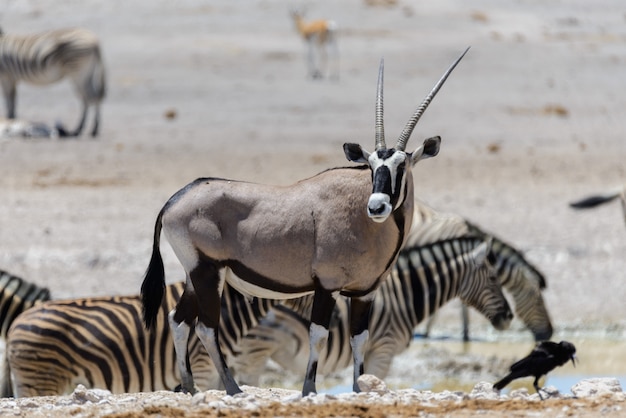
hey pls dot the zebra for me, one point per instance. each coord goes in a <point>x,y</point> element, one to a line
<point>48,57</point>
<point>593,201</point>
<point>100,342</point>
<point>520,279</point>
<point>423,279</point>
<point>16,296</point>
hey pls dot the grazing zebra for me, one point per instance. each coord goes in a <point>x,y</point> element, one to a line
<point>423,279</point>
<point>48,57</point>
<point>593,201</point>
<point>523,282</point>
<point>102,343</point>
<point>518,277</point>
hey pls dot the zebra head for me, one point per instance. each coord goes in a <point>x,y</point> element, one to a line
<point>483,290</point>
<point>391,167</point>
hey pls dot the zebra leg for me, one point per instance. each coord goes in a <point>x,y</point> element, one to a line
<point>96,120</point>
<point>321,313</point>
<point>465,320</point>
<point>207,285</point>
<point>360,309</point>
<point>83,117</point>
<point>64,133</point>
<point>9,89</point>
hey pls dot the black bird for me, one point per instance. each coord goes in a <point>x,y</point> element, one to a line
<point>545,356</point>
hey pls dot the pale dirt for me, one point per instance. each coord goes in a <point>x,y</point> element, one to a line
<point>531,119</point>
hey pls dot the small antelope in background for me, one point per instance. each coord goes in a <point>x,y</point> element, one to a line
<point>321,39</point>
<point>51,56</point>
<point>338,232</point>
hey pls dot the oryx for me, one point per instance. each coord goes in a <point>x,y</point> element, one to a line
<point>338,232</point>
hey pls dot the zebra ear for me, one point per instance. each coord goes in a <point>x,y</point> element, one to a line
<point>480,253</point>
<point>428,149</point>
<point>355,153</point>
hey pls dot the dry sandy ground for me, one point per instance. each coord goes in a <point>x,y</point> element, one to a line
<point>531,119</point>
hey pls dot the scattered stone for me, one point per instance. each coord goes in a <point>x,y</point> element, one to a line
<point>483,390</point>
<point>599,386</point>
<point>82,394</point>
<point>371,383</point>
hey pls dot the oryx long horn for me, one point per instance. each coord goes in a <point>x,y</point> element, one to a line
<point>380,128</point>
<point>408,129</point>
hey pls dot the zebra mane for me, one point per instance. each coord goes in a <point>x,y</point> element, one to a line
<point>497,242</point>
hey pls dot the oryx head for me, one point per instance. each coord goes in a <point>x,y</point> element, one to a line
<point>390,166</point>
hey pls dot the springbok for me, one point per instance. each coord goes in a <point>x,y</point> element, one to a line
<point>320,35</point>
<point>314,236</point>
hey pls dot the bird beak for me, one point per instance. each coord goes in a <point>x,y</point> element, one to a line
<point>573,360</point>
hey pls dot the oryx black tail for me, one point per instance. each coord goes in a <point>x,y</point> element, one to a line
<point>153,286</point>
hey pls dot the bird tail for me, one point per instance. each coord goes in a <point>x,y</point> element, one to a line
<point>500,384</point>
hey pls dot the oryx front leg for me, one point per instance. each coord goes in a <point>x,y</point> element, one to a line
<point>359,333</point>
<point>321,313</point>
<point>208,287</point>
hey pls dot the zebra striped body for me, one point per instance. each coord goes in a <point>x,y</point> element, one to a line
<point>423,279</point>
<point>16,296</point>
<point>48,57</point>
<point>102,343</point>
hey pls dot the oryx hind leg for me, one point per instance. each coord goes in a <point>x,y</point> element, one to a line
<point>360,309</point>
<point>321,314</point>
<point>208,286</point>
<point>181,320</point>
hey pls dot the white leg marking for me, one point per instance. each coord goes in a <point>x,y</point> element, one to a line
<point>180,335</point>
<point>358,353</point>
<point>209,340</point>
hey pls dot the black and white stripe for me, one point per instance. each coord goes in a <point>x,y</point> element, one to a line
<point>423,279</point>
<point>102,343</point>
<point>16,296</point>
<point>48,57</point>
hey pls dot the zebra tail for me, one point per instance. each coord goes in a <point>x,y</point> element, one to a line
<point>153,286</point>
<point>593,201</point>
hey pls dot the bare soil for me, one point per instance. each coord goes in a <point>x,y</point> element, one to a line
<point>531,119</point>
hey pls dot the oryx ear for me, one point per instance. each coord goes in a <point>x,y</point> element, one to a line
<point>428,149</point>
<point>355,153</point>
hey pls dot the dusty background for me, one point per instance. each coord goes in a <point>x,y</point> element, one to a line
<point>531,119</point>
